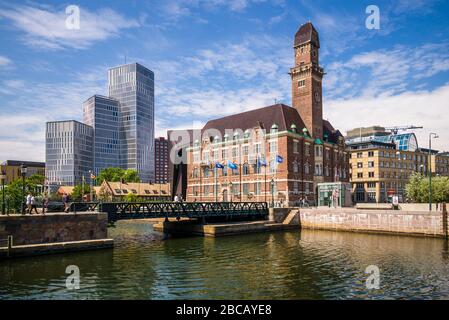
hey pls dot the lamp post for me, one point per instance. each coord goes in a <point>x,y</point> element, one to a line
<point>272,192</point>
<point>434,135</point>
<point>23,172</point>
<point>3,178</point>
<point>91,174</point>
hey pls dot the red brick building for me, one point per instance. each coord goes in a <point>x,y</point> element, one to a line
<point>276,153</point>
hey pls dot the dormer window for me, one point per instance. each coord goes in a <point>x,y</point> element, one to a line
<point>293,128</point>
<point>196,143</point>
<point>216,139</point>
<point>246,134</point>
<point>236,136</point>
<point>226,137</point>
<point>274,128</point>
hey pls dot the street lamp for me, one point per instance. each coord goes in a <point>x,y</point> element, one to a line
<point>272,192</point>
<point>3,178</point>
<point>23,172</point>
<point>435,136</point>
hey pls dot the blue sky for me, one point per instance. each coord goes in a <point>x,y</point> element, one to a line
<point>216,57</point>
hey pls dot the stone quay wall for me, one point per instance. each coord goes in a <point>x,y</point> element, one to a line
<point>51,228</point>
<point>430,223</point>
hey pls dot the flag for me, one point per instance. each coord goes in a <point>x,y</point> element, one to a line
<point>219,166</point>
<point>262,162</point>
<point>279,159</point>
<point>232,165</point>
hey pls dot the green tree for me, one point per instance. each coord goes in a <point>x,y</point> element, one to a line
<point>417,189</point>
<point>36,179</point>
<point>131,197</point>
<point>14,194</point>
<point>131,175</point>
<point>79,191</point>
<point>117,174</point>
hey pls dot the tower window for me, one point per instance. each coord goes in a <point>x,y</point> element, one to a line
<point>301,83</point>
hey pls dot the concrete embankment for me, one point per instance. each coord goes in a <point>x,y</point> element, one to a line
<point>419,223</point>
<point>24,235</point>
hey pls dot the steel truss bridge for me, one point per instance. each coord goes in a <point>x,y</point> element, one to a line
<point>200,210</point>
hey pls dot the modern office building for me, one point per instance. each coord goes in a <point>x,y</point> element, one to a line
<point>69,152</point>
<point>133,86</point>
<point>161,155</point>
<point>382,162</point>
<point>102,114</point>
<point>277,153</point>
<point>11,169</point>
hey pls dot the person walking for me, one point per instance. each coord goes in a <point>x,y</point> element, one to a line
<point>65,200</point>
<point>28,202</point>
<point>33,205</point>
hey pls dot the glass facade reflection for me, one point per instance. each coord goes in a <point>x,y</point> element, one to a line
<point>69,152</point>
<point>102,113</point>
<point>133,86</point>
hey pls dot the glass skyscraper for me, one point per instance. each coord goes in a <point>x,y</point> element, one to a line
<point>102,113</point>
<point>68,153</point>
<point>133,86</point>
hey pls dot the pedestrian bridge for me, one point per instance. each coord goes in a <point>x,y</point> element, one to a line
<point>199,210</point>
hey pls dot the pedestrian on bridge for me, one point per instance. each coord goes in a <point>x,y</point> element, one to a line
<point>33,205</point>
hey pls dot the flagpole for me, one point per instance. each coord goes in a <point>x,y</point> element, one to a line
<point>201,183</point>
<point>216,184</point>
<point>265,183</point>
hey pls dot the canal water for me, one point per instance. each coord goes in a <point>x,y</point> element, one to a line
<point>284,265</point>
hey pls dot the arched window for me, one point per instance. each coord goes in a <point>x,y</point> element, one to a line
<point>295,167</point>
<point>206,172</point>
<point>274,128</point>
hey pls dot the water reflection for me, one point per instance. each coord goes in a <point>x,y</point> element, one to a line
<point>284,265</point>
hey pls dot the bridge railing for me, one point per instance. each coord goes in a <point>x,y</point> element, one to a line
<point>140,210</point>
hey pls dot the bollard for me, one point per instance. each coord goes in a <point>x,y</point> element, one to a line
<point>10,243</point>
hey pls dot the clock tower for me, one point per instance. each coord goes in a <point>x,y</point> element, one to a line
<point>307,76</point>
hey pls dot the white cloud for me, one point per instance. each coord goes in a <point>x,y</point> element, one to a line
<point>386,71</point>
<point>4,61</point>
<point>28,105</point>
<point>46,28</point>
<point>421,108</point>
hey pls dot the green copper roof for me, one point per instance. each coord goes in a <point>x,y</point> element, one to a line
<point>318,141</point>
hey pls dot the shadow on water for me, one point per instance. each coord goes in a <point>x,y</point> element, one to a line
<point>283,265</point>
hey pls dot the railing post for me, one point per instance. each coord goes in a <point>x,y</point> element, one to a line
<point>10,244</point>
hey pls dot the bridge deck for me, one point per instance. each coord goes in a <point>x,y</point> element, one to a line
<point>143,210</point>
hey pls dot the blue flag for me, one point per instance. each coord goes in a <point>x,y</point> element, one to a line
<point>262,162</point>
<point>232,165</point>
<point>219,165</point>
<point>279,159</point>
